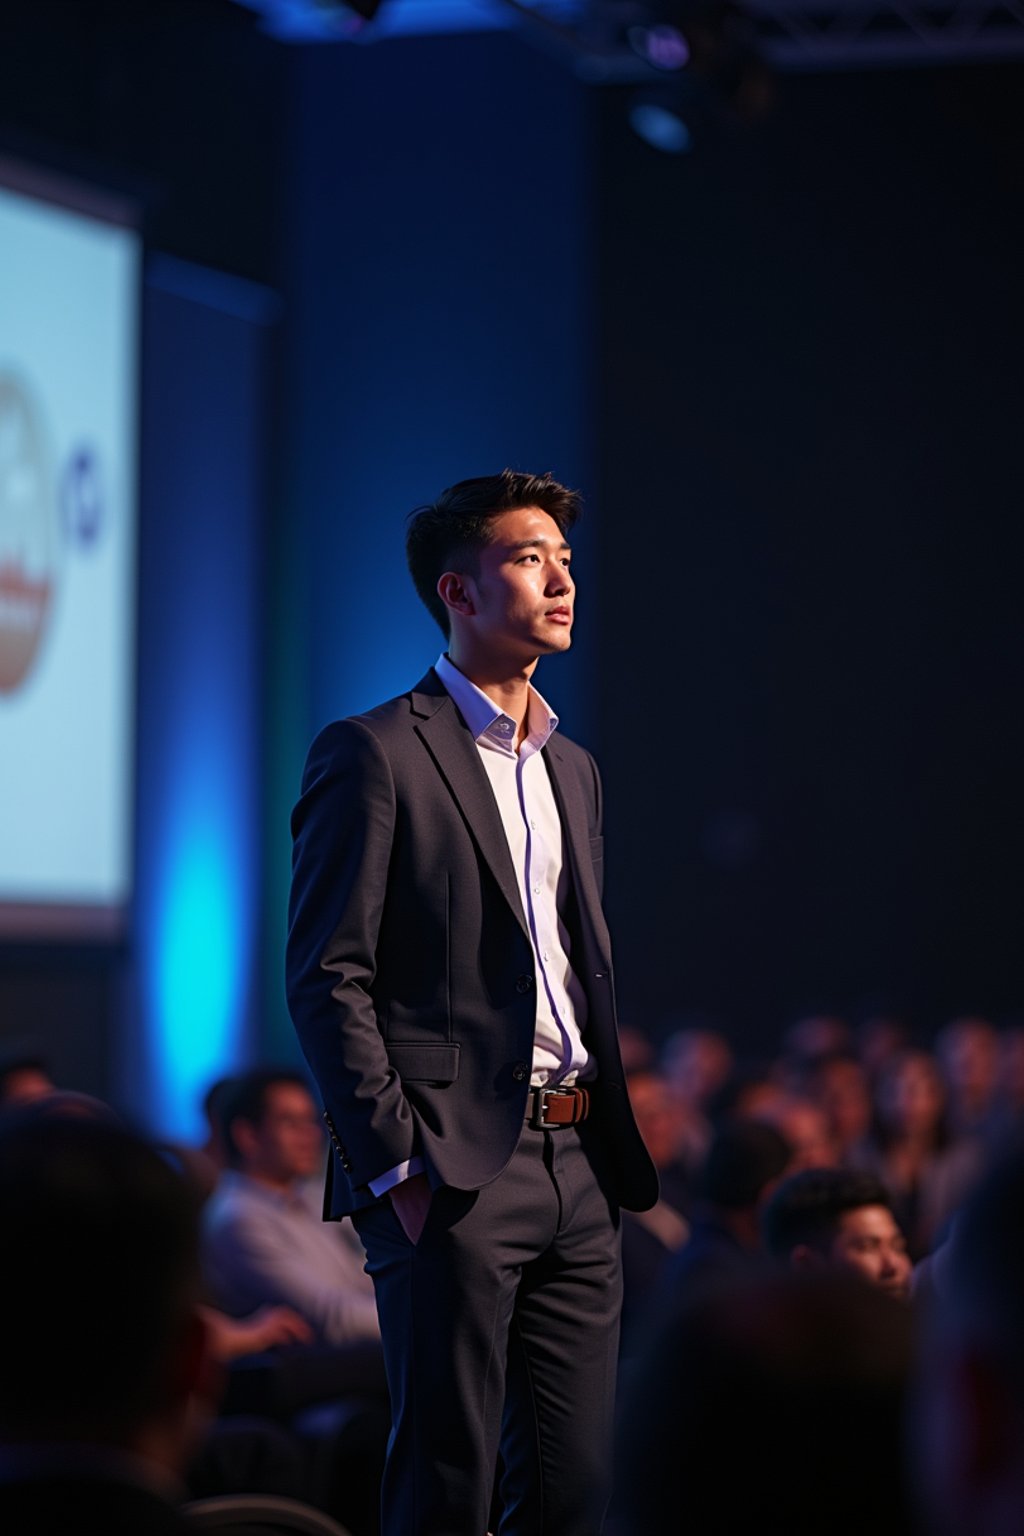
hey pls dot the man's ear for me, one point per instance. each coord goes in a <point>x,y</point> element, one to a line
<point>453,591</point>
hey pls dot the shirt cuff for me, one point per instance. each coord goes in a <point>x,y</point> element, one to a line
<point>385,1181</point>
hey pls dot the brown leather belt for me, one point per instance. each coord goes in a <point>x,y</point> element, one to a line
<point>547,1107</point>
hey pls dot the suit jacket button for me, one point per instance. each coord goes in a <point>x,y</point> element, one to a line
<point>524,983</point>
<point>520,1072</point>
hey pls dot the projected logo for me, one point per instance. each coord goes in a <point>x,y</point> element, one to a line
<point>29,537</point>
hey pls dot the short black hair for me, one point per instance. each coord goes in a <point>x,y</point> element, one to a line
<point>100,1276</point>
<point>805,1209</point>
<point>245,1098</point>
<point>743,1159</point>
<point>450,532</point>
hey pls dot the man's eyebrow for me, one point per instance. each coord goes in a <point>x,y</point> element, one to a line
<point>539,543</point>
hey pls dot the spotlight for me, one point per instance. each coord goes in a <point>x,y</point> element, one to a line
<point>662,46</point>
<point>660,126</point>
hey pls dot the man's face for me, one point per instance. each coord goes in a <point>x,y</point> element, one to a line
<point>288,1142</point>
<point>521,593</point>
<point>869,1241</point>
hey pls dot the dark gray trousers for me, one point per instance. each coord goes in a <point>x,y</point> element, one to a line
<point>500,1327</point>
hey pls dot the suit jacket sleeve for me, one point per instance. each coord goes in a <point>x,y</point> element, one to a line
<point>343,828</point>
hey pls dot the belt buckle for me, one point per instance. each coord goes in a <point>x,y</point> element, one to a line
<point>536,1120</point>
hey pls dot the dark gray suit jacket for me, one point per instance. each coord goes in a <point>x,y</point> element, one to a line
<point>410,972</point>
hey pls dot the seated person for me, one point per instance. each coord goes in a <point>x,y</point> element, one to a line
<point>743,1166</point>
<point>838,1218</point>
<point>262,1242</point>
<point>106,1359</point>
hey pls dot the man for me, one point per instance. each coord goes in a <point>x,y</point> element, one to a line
<point>449,974</point>
<point>262,1244</point>
<point>839,1218</point>
<point>106,1354</point>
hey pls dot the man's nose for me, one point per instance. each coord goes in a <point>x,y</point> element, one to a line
<point>560,579</point>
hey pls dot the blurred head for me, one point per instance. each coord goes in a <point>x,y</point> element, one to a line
<point>819,1034</point>
<point>968,1050</point>
<point>744,1163</point>
<point>969,1405</point>
<point>838,1218</point>
<point>659,1116</point>
<point>783,1396</point>
<point>272,1129</point>
<point>100,1288</point>
<point>806,1129</point>
<point>697,1063</point>
<point>912,1098</point>
<point>840,1084</point>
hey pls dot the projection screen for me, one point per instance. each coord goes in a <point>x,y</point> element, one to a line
<point>69,303</point>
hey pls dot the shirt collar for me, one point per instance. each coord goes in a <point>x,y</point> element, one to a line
<point>486,720</point>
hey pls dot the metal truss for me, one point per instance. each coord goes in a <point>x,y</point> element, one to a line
<point>593,35</point>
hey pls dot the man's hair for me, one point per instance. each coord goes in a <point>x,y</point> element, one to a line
<point>744,1157</point>
<point>245,1098</point>
<point>805,1209</point>
<point>99,1278</point>
<point>449,533</point>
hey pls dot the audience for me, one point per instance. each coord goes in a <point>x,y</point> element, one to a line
<point>968,1054</point>
<point>838,1218</point>
<point>927,1171</point>
<point>648,1237</point>
<point>107,1374</point>
<point>746,1365</point>
<point>744,1163</point>
<point>840,1084</point>
<point>263,1244</point>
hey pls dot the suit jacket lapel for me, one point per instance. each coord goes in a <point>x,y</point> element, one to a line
<point>447,738</point>
<point>577,842</point>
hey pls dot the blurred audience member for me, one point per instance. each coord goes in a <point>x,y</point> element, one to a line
<point>697,1063</point>
<point>818,1035</point>
<point>1011,1080</point>
<point>968,1052</point>
<point>841,1086</point>
<point>744,1163</point>
<point>106,1371</point>
<point>648,1237</point>
<point>804,1126</point>
<point>838,1218</point>
<point>204,1164</point>
<point>637,1049</point>
<point>968,1423</point>
<point>879,1039</point>
<point>262,1244</point>
<point>926,1171</point>
<point>771,1404</point>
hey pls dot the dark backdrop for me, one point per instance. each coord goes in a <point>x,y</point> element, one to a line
<point>809,483</point>
<point>785,369</point>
